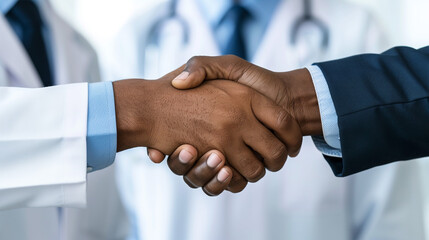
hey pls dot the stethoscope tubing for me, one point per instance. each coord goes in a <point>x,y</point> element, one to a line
<point>153,37</point>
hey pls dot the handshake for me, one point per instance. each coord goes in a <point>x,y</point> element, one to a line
<point>223,133</point>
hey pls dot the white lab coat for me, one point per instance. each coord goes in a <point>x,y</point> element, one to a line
<point>302,201</point>
<point>52,170</point>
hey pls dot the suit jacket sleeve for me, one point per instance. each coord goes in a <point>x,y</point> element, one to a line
<point>43,146</point>
<point>382,103</point>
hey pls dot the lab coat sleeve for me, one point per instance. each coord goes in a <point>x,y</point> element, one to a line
<point>43,146</point>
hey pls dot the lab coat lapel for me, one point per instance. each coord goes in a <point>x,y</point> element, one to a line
<point>3,76</point>
<point>173,52</point>
<point>275,51</point>
<point>202,40</point>
<point>71,61</point>
<point>14,58</point>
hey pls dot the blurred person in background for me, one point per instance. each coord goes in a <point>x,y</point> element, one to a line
<point>304,200</point>
<point>38,48</point>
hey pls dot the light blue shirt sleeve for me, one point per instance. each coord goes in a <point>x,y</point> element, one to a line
<point>329,144</point>
<point>101,130</point>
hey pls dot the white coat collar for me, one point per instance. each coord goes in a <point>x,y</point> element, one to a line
<point>202,40</point>
<point>72,55</point>
<point>201,35</point>
<point>14,58</point>
<point>279,34</point>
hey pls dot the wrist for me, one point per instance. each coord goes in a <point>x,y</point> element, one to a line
<point>134,113</point>
<point>302,101</point>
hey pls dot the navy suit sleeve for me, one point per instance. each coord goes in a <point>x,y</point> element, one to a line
<point>382,103</point>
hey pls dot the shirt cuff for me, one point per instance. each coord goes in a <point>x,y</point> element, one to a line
<point>330,143</point>
<point>101,130</point>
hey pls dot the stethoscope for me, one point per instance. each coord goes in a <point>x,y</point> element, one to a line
<point>154,34</point>
<point>308,18</point>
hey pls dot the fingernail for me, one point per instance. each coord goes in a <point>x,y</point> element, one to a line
<point>223,175</point>
<point>185,157</point>
<point>214,160</point>
<point>182,77</point>
<point>149,153</point>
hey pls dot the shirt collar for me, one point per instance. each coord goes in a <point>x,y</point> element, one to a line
<point>260,10</point>
<point>6,5</point>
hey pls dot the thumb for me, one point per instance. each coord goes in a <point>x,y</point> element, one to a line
<point>201,68</point>
<point>187,80</point>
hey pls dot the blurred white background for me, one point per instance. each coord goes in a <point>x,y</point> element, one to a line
<point>405,22</point>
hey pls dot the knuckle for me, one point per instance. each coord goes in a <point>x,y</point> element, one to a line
<point>282,119</point>
<point>189,183</point>
<point>237,186</point>
<point>279,152</point>
<point>297,144</point>
<point>231,57</point>
<point>176,169</point>
<point>256,173</point>
<point>277,159</point>
<point>195,179</point>
<point>295,152</point>
<point>212,191</point>
<point>278,165</point>
<point>194,61</point>
<point>237,183</point>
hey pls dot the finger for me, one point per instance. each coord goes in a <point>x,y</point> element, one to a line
<point>237,183</point>
<point>269,147</point>
<point>205,169</point>
<point>246,163</point>
<point>219,183</point>
<point>280,121</point>
<point>182,159</point>
<point>155,155</point>
<point>200,68</point>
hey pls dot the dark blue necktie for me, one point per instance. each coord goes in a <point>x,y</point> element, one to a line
<point>236,44</point>
<point>25,19</point>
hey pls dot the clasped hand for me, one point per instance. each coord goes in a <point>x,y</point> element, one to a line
<point>218,134</point>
